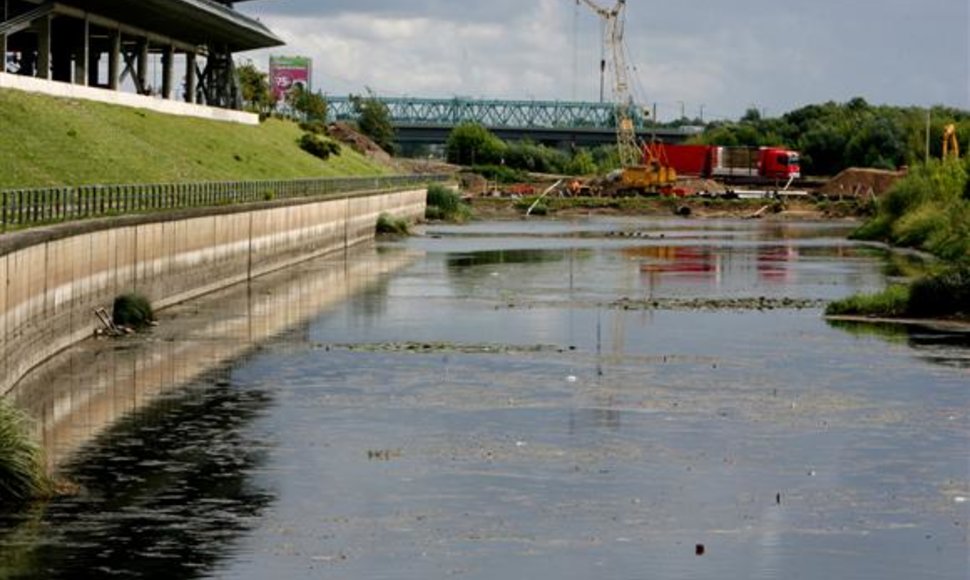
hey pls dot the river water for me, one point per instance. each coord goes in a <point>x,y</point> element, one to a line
<point>603,398</point>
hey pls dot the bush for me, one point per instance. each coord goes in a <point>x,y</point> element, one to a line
<point>500,173</point>
<point>315,127</point>
<point>926,210</point>
<point>445,204</point>
<point>472,143</point>
<point>319,145</point>
<point>21,467</point>
<point>389,225</point>
<point>132,311</point>
<point>944,294</point>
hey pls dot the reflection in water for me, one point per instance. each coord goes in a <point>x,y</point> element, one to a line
<point>159,436</point>
<point>170,489</point>
<point>939,347</point>
<point>86,389</point>
<point>786,447</point>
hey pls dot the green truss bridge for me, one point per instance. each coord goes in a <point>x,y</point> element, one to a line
<point>424,121</point>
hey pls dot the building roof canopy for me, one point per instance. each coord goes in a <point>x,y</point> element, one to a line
<point>196,22</point>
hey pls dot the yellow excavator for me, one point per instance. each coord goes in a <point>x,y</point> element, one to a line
<point>951,145</point>
<point>644,169</point>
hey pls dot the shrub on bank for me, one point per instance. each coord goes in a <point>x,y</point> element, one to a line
<point>133,311</point>
<point>445,204</point>
<point>390,226</point>
<point>929,209</point>
<point>946,294</point>
<point>21,467</point>
<point>319,145</point>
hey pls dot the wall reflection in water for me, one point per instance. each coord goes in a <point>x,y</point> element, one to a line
<point>86,389</point>
<point>163,444</point>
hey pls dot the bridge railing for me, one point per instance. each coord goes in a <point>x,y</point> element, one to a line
<point>28,207</point>
<point>491,113</point>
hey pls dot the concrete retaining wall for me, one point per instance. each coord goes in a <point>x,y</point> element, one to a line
<point>51,281</point>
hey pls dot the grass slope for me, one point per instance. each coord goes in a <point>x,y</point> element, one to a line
<point>53,142</point>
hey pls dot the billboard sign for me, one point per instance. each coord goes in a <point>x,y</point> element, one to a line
<point>285,72</point>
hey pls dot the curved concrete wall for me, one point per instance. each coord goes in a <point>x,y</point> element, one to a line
<point>52,280</point>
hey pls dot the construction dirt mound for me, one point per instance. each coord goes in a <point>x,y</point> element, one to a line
<point>694,186</point>
<point>358,142</point>
<point>857,181</point>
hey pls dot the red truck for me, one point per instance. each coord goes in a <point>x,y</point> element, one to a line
<point>739,163</point>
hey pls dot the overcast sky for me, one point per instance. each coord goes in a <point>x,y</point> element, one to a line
<point>724,55</point>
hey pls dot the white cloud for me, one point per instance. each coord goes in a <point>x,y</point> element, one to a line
<point>726,56</point>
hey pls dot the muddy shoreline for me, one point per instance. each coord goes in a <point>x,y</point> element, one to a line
<point>503,208</point>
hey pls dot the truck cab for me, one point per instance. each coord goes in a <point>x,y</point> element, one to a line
<point>778,163</point>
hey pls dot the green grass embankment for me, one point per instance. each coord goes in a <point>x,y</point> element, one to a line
<point>928,210</point>
<point>54,142</point>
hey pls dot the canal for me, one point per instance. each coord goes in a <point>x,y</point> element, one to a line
<point>602,398</point>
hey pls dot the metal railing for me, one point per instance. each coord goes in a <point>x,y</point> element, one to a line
<point>27,207</point>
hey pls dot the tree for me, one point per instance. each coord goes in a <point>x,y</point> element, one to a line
<point>311,106</point>
<point>582,163</point>
<point>471,144</point>
<point>254,86</point>
<point>374,120</point>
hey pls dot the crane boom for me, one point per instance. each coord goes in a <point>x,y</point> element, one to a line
<point>613,21</point>
<point>644,169</point>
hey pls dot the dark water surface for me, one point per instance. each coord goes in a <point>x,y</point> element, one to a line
<point>596,399</point>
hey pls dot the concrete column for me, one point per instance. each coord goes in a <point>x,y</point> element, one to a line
<point>168,63</point>
<point>83,56</point>
<point>190,78</point>
<point>141,72</point>
<point>43,48</point>
<point>94,67</point>
<point>114,60</point>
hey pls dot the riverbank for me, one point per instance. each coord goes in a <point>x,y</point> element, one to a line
<point>488,208</point>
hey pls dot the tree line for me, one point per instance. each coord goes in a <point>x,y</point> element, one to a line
<point>834,136</point>
<point>830,136</point>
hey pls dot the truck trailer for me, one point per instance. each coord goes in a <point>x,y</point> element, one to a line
<point>748,164</point>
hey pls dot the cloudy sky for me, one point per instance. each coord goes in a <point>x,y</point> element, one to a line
<point>723,55</point>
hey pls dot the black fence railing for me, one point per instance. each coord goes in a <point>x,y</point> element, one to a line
<point>26,207</point>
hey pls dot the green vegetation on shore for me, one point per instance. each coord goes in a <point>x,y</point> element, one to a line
<point>928,210</point>
<point>21,468</point>
<point>445,204</point>
<point>55,142</point>
<point>945,294</point>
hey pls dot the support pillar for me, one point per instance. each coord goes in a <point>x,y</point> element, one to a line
<point>94,67</point>
<point>83,56</point>
<point>141,69</point>
<point>114,60</point>
<point>43,47</point>
<point>190,78</point>
<point>3,38</point>
<point>168,64</point>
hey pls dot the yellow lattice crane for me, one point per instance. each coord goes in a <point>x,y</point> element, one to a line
<point>643,169</point>
<point>951,145</point>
